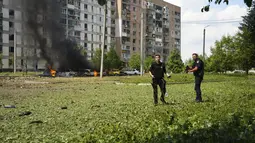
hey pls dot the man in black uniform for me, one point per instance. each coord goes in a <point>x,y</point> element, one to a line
<point>157,71</point>
<point>198,71</point>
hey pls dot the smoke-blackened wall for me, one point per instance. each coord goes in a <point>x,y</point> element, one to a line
<point>43,20</point>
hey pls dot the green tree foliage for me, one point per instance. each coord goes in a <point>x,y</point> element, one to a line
<point>246,41</point>
<point>147,62</point>
<point>223,55</point>
<point>207,7</point>
<point>134,61</point>
<point>82,50</point>
<point>96,59</point>
<point>245,50</point>
<point>112,60</point>
<point>174,62</point>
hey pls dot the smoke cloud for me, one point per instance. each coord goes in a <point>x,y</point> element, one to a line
<point>43,20</point>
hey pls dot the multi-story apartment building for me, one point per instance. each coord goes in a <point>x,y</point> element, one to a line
<point>162,28</point>
<point>14,33</point>
<point>82,20</point>
<point>128,29</point>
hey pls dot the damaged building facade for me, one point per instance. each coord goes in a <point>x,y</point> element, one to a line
<point>82,21</point>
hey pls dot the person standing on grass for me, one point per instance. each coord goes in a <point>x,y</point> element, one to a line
<point>157,71</point>
<point>198,72</point>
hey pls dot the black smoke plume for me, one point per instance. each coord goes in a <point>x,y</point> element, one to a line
<point>43,20</point>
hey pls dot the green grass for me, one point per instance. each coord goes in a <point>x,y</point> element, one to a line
<point>101,111</point>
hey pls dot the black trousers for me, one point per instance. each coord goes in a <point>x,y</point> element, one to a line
<point>198,81</point>
<point>162,84</point>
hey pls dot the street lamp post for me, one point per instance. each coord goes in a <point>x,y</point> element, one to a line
<point>204,40</point>
<point>141,48</point>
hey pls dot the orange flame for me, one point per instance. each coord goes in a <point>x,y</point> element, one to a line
<point>52,72</point>
<point>95,73</point>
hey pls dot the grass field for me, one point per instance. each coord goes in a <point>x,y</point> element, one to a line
<point>102,111</point>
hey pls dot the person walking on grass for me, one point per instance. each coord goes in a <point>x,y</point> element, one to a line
<point>157,71</point>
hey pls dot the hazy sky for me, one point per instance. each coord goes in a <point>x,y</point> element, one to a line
<point>192,32</point>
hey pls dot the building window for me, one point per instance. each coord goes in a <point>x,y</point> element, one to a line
<point>134,41</point>
<point>99,10</point>
<point>11,37</point>
<point>85,37</point>
<point>1,48</point>
<point>71,2</point>
<point>85,6</point>
<point>86,16</point>
<point>92,9</point>
<point>86,26</point>
<point>133,8</point>
<point>134,33</point>
<point>92,27</point>
<point>11,49</point>
<point>92,17</point>
<point>11,12</point>
<point>91,37</point>
<point>100,19</point>
<point>11,24</point>
<point>100,29</point>
<point>22,62</point>
<point>134,1</point>
<point>134,48</point>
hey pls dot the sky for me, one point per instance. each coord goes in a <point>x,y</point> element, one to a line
<point>192,32</point>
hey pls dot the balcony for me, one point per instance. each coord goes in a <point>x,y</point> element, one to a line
<point>166,24</point>
<point>158,39</point>
<point>159,32</point>
<point>158,11</point>
<point>166,40</point>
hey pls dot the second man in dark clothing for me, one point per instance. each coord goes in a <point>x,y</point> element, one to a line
<point>198,71</point>
<point>157,71</point>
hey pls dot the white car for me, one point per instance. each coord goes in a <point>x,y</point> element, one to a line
<point>252,71</point>
<point>131,72</point>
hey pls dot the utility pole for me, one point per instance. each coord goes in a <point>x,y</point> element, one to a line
<point>204,41</point>
<point>66,19</point>
<point>141,47</point>
<point>15,51</point>
<point>102,47</point>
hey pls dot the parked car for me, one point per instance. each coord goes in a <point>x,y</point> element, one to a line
<point>238,71</point>
<point>252,71</point>
<point>131,72</point>
<point>114,72</point>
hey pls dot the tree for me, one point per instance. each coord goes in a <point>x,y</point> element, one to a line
<point>134,61</point>
<point>113,61</point>
<point>245,50</point>
<point>223,55</point>
<point>101,2</point>
<point>96,59</point>
<point>147,62</point>
<point>207,7</point>
<point>174,62</point>
<point>82,50</point>
<point>246,41</point>
<point>248,24</point>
